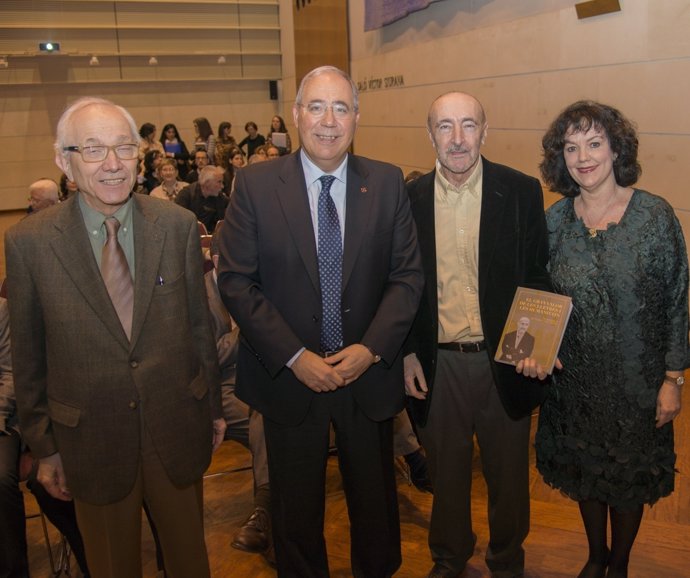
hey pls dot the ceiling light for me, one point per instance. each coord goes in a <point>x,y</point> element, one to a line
<point>153,61</point>
<point>94,61</point>
<point>221,60</point>
<point>49,47</point>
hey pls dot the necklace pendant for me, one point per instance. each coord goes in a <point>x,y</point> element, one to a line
<point>592,232</point>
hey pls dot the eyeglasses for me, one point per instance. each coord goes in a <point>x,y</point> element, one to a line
<point>98,153</point>
<point>318,109</point>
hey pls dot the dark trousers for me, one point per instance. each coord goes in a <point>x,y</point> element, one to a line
<point>13,557</point>
<point>297,458</point>
<point>465,403</point>
<point>62,515</point>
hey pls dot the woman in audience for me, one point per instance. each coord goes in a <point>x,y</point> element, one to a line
<point>235,162</point>
<point>283,143</point>
<point>605,435</point>
<point>253,138</point>
<point>175,148</point>
<point>224,143</point>
<point>205,139</point>
<point>149,177</point>
<point>237,159</point>
<point>148,141</point>
<point>170,185</point>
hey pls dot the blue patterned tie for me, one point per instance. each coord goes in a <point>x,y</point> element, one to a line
<point>330,267</point>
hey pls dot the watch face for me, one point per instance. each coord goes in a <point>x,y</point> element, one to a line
<point>680,380</point>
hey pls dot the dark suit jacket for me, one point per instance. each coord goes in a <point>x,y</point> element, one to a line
<point>268,278</point>
<point>512,251</point>
<point>514,354</point>
<point>208,210</point>
<point>81,385</point>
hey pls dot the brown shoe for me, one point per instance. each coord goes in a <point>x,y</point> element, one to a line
<point>254,535</point>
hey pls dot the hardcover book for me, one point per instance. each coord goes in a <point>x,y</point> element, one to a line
<point>534,328</point>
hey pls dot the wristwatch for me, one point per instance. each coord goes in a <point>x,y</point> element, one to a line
<point>678,381</point>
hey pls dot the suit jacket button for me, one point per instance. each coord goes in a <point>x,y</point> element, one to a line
<point>134,364</point>
<point>132,404</point>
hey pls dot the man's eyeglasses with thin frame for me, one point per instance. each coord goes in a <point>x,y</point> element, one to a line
<point>319,109</point>
<point>98,153</point>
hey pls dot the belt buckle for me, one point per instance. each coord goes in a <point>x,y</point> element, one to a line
<point>329,353</point>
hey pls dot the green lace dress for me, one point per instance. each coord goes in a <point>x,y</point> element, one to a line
<point>597,438</point>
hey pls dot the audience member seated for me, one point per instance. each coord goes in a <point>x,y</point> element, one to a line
<point>261,151</point>
<point>235,161</point>
<point>13,546</point>
<point>67,188</point>
<point>278,126</point>
<point>256,158</point>
<point>204,197</point>
<point>237,158</point>
<point>244,425</point>
<point>253,138</point>
<point>405,444</point>
<point>148,141</point>
<point>224,144</point>
<point>170,185</point>
<point>272,152</point>
<point>199,162</point>
<point>149,178</point>
<point>205,139</point>
<point>43,193</point>
<point>174,148</point>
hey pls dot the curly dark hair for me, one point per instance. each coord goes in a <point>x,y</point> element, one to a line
<point>147,129</point>
<point>580,117</point>
<point>149,159</point>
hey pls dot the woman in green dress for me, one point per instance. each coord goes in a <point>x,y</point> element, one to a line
<point>605,435</point>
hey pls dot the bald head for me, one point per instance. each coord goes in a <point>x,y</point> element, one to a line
<point>457,128</point>
<point>42,194</point>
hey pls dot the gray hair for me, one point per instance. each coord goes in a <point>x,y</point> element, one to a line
<point>80,104</point>
<point>323,70</point>
<point>208,173</point>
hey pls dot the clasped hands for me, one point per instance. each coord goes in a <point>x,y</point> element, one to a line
<point>321,374</point>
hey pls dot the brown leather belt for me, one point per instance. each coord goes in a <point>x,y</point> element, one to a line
<point>466,347</point>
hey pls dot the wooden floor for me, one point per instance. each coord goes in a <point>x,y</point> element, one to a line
<point>556,546</point>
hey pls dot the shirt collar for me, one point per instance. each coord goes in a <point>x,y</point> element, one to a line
<point>94,219</point>
<point>312,173</point>
<point>471,185</point>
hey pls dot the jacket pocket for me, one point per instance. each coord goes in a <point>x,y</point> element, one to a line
<point>63,414</point>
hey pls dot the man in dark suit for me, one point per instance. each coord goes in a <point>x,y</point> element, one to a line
<point>322,320</point>
<point>519,344</point>
<point>481,233</point>
<point>116,372</point>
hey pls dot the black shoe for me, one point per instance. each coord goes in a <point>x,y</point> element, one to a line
<point>255,534</point>
<point>419,472</point>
